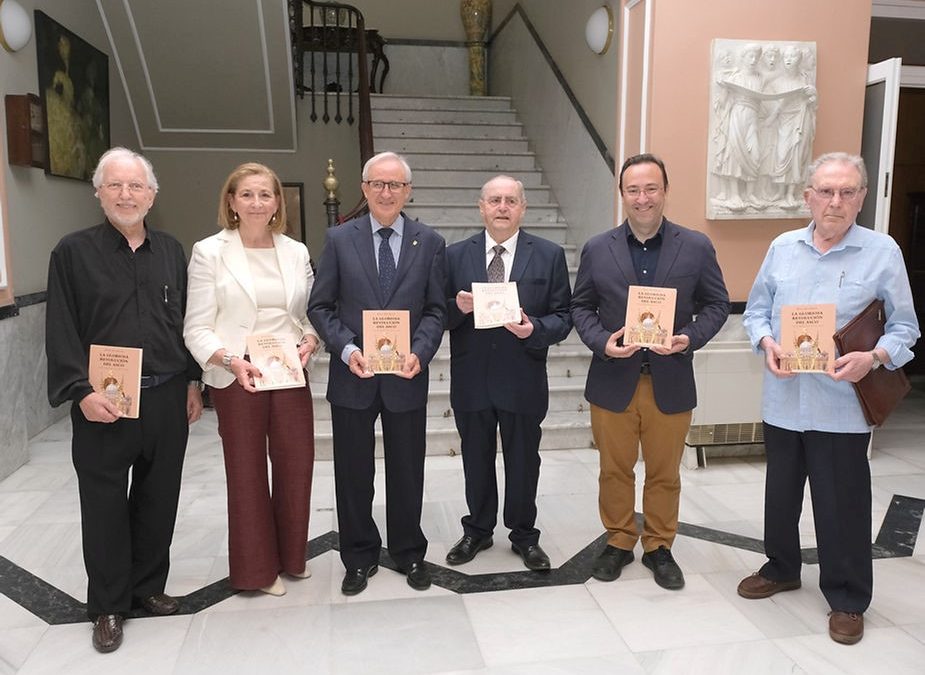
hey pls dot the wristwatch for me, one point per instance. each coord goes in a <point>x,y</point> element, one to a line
<point>227,358</point>
<point>877,361</point>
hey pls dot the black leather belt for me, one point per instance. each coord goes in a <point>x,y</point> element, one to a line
<point>149,381</point>
<point>644,369</point>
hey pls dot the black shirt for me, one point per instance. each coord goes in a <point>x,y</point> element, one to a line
<point>645,254</point>
<point>102,292</point>
<point>645,260</point>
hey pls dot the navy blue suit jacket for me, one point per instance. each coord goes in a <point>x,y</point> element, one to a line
<point>493,368</point>
<point>687,262</point>
<point>347,282</point>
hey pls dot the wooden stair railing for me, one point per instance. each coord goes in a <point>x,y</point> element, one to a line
<point>323,32</point>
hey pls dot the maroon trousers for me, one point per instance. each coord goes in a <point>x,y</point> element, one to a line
<point>267,529</point>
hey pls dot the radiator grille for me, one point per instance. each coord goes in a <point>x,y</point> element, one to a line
<point>725,434</point>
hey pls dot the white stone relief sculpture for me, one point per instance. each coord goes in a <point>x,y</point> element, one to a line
<point>762,124</point>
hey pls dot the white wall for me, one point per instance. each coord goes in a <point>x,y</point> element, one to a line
<point>40,210</point>
<point>579,177</point>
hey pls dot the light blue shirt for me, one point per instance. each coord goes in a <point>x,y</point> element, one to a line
<point>863,266</point>
<point>398,229</point>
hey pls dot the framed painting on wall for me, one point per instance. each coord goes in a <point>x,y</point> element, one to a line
<point>6,285</point>
<point>74,87</point>
<point>292,195</point>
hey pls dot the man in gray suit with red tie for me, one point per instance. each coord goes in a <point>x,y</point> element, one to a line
<point>644,395</point>
<point>381,261</point>
<point>498,375</point>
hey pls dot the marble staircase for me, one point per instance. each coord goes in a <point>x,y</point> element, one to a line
<point>454,145</point>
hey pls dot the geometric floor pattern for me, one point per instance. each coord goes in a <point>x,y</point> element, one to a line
<point>489,616</point>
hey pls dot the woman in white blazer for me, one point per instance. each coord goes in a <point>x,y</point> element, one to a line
<point>249,278</point>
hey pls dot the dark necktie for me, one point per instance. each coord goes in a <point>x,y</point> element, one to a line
<point>496,266</point>
<point>386,262</point>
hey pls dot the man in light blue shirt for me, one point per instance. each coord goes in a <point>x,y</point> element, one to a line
<point>813,424</point>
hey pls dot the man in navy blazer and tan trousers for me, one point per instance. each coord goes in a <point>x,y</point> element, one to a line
<point>498,375</point>
<point>380,261</point>
<point>644,395</point>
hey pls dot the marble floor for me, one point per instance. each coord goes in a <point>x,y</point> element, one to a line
<point>490,616</point>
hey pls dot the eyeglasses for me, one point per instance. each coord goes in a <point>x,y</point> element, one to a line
<point>380,185</point>
<point>134,187</point>
<point>648,191</point>
<point>845,194</point>
<point>497,200</point>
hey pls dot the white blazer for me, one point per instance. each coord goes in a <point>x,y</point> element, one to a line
<point>221,304</point>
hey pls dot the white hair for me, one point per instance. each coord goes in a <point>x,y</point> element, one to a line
<point>120,153</point>
<point>383,156</point>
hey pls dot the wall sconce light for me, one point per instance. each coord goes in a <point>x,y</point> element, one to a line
<point>15,26</point>
<point>599,30</point>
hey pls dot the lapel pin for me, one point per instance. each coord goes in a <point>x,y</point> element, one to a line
<point>414,242</point>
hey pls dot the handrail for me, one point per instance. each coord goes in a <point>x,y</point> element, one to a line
<point>332,28</point>
<point>579,109</point>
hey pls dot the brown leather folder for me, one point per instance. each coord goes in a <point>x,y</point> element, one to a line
<point>881,390</point>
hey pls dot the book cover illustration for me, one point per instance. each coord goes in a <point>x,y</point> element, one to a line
<point>494,305</point>
<point>277,357</point>
<point>115,372</point>
<point>806,338</point>
<point>386,339</point>
<point>649,316</point>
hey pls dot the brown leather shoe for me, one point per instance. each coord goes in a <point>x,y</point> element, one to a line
<point>160,604</point>
<point>757,587</point>
<point>846,628</point>
<point>107,632</point>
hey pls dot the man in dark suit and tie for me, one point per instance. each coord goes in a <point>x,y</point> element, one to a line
<point>498,375</point>
<point>380,261</point>
<point>644,395</point>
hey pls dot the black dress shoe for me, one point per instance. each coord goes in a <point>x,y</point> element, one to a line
<point>667,573</point>
<point>534,557</point>
<point>610,563</point>
<point>355,579</point>
<point>418,576</point>
<point>467,548</point>
<point>107,632</point>
<point>160,604</point>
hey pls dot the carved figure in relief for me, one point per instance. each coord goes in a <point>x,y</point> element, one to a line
<point>740,162</point>
<point>762,126</point>
<point>793,120</point>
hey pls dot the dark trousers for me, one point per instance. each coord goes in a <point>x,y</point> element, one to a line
<point>267,530</point>
<point>520,445</point>
<point>839,483</point>
<point>404,443</point>
<point>127,530</point>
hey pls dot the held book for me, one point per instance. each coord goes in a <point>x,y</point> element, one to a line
<point>881,390</point>
<point>494,305</point>
<point>805,338</point>
<point>115,372</point>
<point>277,357</point>
<point>649,316</point>
<point>386,339</point>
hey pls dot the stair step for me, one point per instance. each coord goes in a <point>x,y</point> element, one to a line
<point>436,212</point>
<point>471,177</point>
<point>393,102</point>
<point>459,194</point>
<point>457,231</point>
<point>432,116</point>
<point>405,144</point>
<point>434,159</point>
<point>568,358</point>
<point>566,394</point>
<point>561,431</point>
<point>447,130</point>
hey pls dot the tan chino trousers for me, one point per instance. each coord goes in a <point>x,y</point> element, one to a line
<point>618,437</point>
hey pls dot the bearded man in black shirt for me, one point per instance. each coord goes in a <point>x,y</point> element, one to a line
<point>121,283</point>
